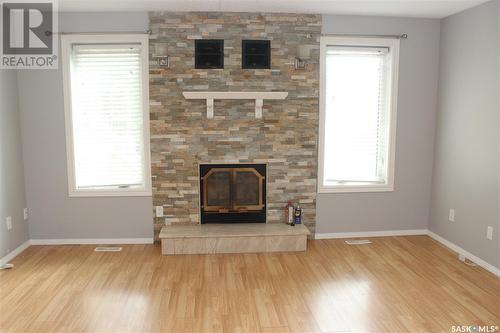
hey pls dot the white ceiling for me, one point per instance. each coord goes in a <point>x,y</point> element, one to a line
<point>403,8</point>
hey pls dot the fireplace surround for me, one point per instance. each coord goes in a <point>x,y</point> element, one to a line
<point>284,137</point>
<point>233,193</point>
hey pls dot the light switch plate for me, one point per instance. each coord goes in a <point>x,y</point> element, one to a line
<point>159,211</point>
<point>489,233</point>
<point>25,213</point>
<point>451,216</point>
<point>8,222</point>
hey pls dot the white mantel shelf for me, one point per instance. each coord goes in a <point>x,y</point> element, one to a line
<point>258,96</point>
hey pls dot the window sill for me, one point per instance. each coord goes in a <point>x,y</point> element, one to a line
<point>355,189</point>
<point>96,193</point>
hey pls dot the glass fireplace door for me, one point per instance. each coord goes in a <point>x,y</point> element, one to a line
<point>217,190</point>
<point>232,190</point>
<point>247,189</point>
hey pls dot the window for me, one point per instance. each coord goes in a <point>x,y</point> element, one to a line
<point>358,114</point>
<point>107,114</point>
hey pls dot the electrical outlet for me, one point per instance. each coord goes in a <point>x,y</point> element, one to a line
<point>451,215</point>
<point>25,213</point>
<point>489,233</point>
<point>8,222</point>
<point>159,211</point>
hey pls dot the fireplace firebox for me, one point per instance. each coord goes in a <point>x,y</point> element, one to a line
<point>233,193</point>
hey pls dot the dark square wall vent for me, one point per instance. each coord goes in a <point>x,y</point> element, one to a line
<point>256,54</point>
<point>209,53</point>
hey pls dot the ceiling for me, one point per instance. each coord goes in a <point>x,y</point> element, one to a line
<point>402,8</point>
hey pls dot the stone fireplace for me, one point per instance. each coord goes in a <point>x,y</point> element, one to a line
<point>284,139</point>
<point>233,193</point>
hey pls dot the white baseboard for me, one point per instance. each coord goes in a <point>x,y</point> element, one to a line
<point>387,233</point>
<point>84,241</point>
<point>15,253</point>
<point>468,255</point>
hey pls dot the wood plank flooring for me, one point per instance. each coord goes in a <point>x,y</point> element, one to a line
<point>396,284</point>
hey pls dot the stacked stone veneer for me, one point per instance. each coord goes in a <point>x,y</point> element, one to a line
<point>182,136</point>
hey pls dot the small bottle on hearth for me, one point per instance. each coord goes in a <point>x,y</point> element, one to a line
<point>298,215</point>
<point>289,213</point>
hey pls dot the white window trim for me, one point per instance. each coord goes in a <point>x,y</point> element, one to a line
<point>66,43</point>
<point>393,44</point>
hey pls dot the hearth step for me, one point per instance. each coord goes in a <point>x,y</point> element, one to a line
<point>233,238</point>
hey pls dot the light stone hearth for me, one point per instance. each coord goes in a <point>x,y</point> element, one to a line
<point>232,238</point>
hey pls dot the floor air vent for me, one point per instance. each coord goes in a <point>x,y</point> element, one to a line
<point>358,241</point>
<point>108,249</point>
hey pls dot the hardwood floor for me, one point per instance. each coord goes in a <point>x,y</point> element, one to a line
<point>396,284</point>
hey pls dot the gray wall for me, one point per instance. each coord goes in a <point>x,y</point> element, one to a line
<point>53,214</point>
<point>407,207</point>
<point>12,197</point>
<point>466,169</point>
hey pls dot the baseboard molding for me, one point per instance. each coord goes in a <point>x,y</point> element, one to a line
<point>17,251</point>
<point>387,233</point>
<point>467,254</point>
<point>85,241</point>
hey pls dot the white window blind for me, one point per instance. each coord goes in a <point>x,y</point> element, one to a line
<point>107,116</point>
<point>357,115</point>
